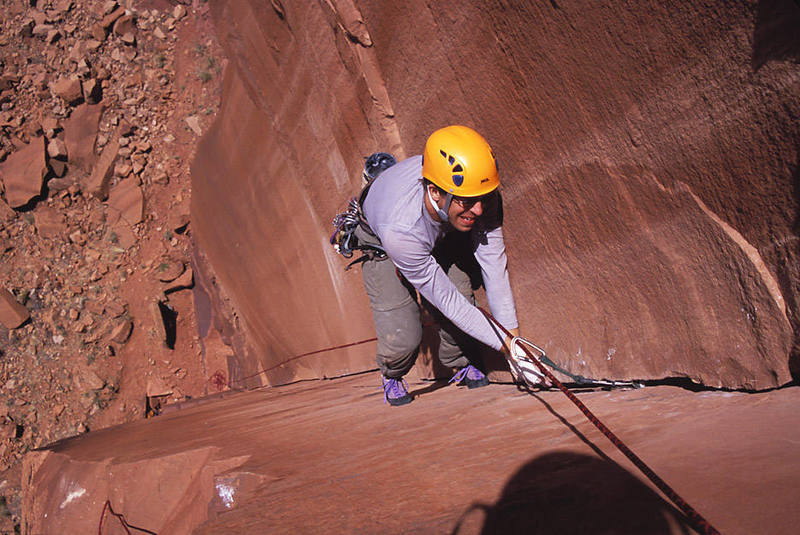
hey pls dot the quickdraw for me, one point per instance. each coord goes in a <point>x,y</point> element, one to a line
<point>344,240</point>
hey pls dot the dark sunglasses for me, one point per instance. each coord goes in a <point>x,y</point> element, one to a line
<point>468,202</point>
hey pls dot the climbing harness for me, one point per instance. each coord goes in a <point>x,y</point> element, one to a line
<point>523,367</point>
<point>697,521</point>
<point>344,240</point>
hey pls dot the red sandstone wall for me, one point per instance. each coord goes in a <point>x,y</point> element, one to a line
<point>649,160</point>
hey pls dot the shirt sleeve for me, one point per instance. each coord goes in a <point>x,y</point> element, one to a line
<point>424,273</point>
<point>491,256</point>
<point>490,252</point>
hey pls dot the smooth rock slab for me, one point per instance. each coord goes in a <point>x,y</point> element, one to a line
<point>80,135</point>
<point>12,312</point>
<point>97,184</point>
<point>126,203</point>
<point>23,173</point>
<point>329,456</point>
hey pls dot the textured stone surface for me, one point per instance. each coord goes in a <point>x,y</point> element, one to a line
<point>331,457</point>
<point>648,160</point>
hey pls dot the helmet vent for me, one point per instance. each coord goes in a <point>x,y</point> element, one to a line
<point>458,179</point>
<point>458,169</point>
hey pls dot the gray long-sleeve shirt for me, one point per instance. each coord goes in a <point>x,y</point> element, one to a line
<point>395,210</point>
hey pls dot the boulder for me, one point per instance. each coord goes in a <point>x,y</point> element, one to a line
<point>184,281</point>
<point>121,331</point>
<point>42,30</point>
<point>156,387</point>
<point>87,380</point>
<point>49,222</point>
<point>92,90</point>
<point>98,31</point>
<point>61,8</point>
<point>68,88</point>
<point>50,125</point>
<point>12,312</point>
<point>168,269</point>
<point>125,26</point>
<point>57,149</point>
<point>97,183</point>
<point>80,135</point>
<point>112,17</point>
<point>23,173</point>
<point>179,219</point>
<point>178,12</point>
<point>193,121</point>
<point>53,36</point>
<point>116,308</point>
<point>126,203</point>
<point>59,169</point>
<point>122,169</point>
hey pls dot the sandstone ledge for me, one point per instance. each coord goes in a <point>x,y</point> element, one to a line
<point>530,459</point>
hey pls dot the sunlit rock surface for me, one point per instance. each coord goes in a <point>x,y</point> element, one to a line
<point>328,456</point>
<point>648,157</point>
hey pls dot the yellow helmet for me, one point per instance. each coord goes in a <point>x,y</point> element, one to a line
<point>460,161</point>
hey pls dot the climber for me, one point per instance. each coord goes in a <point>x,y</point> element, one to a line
<point>434,215</point>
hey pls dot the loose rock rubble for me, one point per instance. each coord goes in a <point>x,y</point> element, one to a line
<point>97,130</point>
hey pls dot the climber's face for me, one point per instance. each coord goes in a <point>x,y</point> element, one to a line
<point>464,211</point>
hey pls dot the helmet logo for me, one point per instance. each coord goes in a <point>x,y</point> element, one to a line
<point>456,167</point>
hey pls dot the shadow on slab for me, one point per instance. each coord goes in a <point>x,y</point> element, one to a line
<point>432,387</point>
<point>566,492</point>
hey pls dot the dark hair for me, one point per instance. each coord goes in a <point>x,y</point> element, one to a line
<point>425,183</point>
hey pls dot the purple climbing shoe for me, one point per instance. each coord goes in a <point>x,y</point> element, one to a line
<point>471,377</point>
<point>395,392</point>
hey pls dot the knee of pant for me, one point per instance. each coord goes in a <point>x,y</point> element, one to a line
<point>400,343</point>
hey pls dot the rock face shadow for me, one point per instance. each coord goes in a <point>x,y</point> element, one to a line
<point>567,492</point>
<point>774,35</point>
<point>787,286</point>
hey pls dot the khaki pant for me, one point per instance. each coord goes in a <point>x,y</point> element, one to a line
<point>396,312</point>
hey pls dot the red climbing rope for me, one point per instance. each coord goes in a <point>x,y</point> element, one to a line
<point>240,380</point>
<point>698,522</point>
